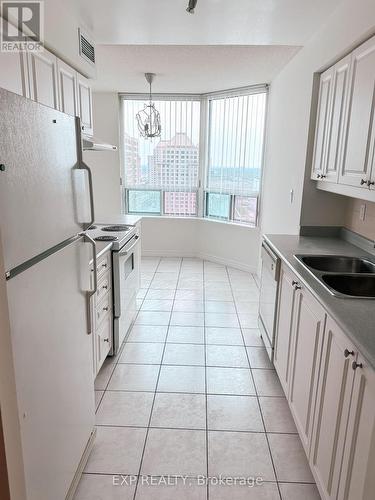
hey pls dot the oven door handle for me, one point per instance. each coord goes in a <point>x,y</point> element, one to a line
<point>88,239</point>
<point>126,252</point>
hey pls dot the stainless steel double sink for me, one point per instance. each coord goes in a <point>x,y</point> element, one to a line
<point>342,276</point>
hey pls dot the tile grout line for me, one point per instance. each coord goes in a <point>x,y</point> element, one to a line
<point>257,395</point>
<point>205,378</point>
<point>123,346</point>
<point>156,385</point>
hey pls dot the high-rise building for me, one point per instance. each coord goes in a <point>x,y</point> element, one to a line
<point>174,167</point>
<point>132,161</point>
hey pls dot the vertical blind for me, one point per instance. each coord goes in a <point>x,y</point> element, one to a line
<point>236,138</point>
<point>161,174</point>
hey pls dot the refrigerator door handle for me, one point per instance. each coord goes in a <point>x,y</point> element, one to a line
<point>88,239</point>
<point>82,165</point>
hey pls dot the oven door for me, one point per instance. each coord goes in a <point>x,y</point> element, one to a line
<point>126,280</point>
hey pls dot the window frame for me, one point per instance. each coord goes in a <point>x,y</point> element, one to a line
<point>204,142</point>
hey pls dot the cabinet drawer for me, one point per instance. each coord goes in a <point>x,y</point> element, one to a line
<point>103,307</point>
<point>104,264</point>
<point>104,286</point>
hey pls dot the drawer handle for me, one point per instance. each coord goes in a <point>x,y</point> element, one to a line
<point>348,353</point>
<point>356,365</point>
<point>106,308</point>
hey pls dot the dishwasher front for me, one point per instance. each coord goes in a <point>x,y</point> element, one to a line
<point>268,297</point>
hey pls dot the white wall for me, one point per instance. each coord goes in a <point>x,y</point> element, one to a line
<point>105,165</point>
<point>62,20</point>
<point>288,125</point>
<point>234,245</point>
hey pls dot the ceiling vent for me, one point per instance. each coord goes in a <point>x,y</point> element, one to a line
<point>86,47</point>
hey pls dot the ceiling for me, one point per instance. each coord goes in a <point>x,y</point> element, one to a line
<point>190,69</point>
<point>228,22</point>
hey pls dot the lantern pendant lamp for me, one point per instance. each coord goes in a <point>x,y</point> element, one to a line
<point>148,118</point>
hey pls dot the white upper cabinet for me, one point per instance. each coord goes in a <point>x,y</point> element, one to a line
<point>330,121</point>
<point>322,124</point>
<point>356,169</point>
<point>13,71</point>
<point>43,78</point>
<point>336,129</point>
<point>67,83</point>
<point>85,104</point>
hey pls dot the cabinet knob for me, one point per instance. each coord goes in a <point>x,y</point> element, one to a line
<point>363,181</point>
<point>356,365</point>
<point>348,353</point>
<point>2,167</point>
<point>104,265</point>
<point>106,308</point>
<point>370,183</point>
<point>296,285</point>
<point>106,340</point>
<point>318,176</point>
<point>323,176</point>
<point>105,287</point>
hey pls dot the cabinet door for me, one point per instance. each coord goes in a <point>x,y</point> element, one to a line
<point>322,124</point>
<point>103,337</point>
<point>357,147</point>
<point>358,478</point>
<point>283,340</point>
<point>13,70</point>
<point>85,104</point>
<point>332,409</point>
<point>308,333</point>
<point>67,83</point>
<point>337,120</point>
<point>43,78</point>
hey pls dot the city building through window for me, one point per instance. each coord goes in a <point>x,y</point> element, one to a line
<point>207,162</point>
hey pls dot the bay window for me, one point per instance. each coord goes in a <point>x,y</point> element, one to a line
<point>207,162</point>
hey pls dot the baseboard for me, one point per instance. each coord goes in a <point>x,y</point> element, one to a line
<point>81,466</point>
<point>200,255</point>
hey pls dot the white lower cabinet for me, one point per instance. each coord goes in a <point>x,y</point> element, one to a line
<point>334,392</point>
<point>358,468</point>
<point>103,337</point>
<point>331,393</point>
<point>102,313</point>
<point>308,330</point>
<point>284,326</point>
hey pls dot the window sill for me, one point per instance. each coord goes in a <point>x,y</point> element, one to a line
<point>203,219</point>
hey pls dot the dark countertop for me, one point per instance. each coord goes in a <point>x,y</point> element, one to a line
<point>356,317</point>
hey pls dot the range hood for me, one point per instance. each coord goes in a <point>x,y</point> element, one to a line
<point>91,144</point>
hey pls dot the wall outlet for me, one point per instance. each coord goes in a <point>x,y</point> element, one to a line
<point>362,212</point>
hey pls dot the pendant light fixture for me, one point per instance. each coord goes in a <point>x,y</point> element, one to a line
<point>191,6</point>
<point>148,118</point>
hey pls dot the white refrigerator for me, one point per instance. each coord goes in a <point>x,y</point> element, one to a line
<point>45,204</point>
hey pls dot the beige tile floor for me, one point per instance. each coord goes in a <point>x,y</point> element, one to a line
<point>192,394</point>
